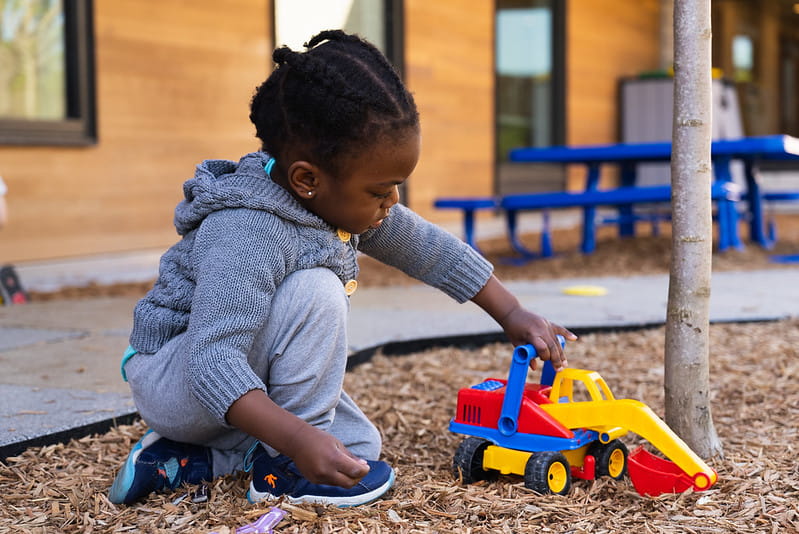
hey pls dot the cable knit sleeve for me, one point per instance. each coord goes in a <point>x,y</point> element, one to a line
<point>236,280</point>
<point>428,253</point>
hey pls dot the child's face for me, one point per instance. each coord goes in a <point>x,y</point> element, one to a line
<point>367,187</point>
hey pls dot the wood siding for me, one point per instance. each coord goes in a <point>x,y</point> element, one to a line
<point>606,40</point>
<point>449,49</point>
<point>174,80</point>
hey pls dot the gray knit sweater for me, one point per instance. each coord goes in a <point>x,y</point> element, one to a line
<point>242,235</point>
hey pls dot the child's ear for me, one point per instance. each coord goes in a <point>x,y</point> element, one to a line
<point>303,179</point>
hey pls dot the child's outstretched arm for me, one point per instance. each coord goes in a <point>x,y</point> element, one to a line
<point>319,456</point>
<point>523,326</point>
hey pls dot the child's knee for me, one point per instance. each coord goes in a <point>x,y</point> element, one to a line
<point>369,444</point>
<point>316,290</point>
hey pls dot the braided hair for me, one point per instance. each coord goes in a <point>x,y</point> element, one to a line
<point>339,96</point>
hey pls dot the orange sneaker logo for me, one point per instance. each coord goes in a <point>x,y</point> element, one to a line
<point>270,479</point>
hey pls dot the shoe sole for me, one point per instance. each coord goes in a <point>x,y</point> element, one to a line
<point>127,474</point>
<point>254,496</point>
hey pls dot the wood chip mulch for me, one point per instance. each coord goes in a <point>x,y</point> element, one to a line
<point>62,488</point>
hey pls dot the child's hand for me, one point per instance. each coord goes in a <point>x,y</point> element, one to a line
<point>320,457</point>
<point>323,459</point>
<point>522,327</point>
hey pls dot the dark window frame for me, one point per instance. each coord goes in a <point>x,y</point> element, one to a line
<point>558,114</point>
<point>80,125</point>
<point>395,34</point>
<point>547,174</point>
<point>559,72</point>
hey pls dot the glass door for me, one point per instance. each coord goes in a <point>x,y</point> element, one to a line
<point>529,71</point>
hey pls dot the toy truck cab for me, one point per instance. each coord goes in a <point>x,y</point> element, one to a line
<point>593,386</point>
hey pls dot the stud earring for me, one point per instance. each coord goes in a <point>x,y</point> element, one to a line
<point>310,193</point>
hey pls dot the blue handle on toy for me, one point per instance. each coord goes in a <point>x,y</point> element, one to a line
<point>517,377</point>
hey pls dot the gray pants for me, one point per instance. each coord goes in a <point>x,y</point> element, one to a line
<point>300,354</point>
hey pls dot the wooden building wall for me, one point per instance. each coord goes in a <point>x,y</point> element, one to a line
<point>449,50</point>
<point>606,40</point>
<point>174,81</point>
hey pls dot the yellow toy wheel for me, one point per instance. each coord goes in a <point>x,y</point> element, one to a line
<point>548,472</point>
<point>611,459</point>
<point>616,463</point>
<point>557,477</point>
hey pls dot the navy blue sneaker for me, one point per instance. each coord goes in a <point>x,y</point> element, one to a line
<point>157,464</point>
<point>279,477</point>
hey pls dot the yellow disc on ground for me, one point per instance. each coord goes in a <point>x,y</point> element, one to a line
<point>585,291</point>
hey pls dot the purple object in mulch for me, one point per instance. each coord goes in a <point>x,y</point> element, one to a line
<point>263,524</point>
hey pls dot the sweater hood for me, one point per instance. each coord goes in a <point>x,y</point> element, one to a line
<point>224,184</point>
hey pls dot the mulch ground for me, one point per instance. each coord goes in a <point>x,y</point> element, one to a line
<point>755,403</point>
<point>62,488</point>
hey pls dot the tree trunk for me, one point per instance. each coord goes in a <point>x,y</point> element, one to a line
<point>687,378</point>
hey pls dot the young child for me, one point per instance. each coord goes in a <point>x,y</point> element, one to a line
<point>238,353</point>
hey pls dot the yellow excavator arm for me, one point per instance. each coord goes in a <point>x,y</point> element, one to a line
<point>605,414</point>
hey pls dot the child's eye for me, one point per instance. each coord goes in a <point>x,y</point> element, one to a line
<point>382,195</point>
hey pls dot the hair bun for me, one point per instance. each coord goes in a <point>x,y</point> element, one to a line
<point>281,55</point>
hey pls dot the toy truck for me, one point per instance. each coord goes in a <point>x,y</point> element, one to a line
<point>568,426</point>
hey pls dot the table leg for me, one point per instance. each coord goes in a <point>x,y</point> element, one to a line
<point>626,213</point>
<point>468,229</point>
<point>728,225</point>
<point>589,212</point>
<point>525,253</point>
<point>727,214</point>
<point>589,229</point>
<point>754,200</point>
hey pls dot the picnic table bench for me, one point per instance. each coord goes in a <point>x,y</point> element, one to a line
<point>726,195</point>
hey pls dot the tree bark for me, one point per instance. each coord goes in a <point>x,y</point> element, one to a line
<point>687,377</point>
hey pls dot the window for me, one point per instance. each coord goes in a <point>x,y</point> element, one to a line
<point>296,21</point>
<point>46,72</point>
<point>529,83</point>
<point>743,58</point>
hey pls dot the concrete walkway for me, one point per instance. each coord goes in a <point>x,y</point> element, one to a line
<point>59,361</point>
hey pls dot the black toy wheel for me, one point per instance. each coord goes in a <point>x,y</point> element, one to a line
<point>467,464</point>
<point>548,472</point>
<point>611,459</point>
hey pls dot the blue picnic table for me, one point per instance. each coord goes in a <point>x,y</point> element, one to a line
<point>724,192</point>
<point>750,150</point>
